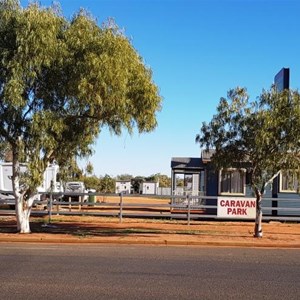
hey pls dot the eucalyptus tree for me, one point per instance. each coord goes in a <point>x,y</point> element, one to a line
<point>135,183</point>
<point>91,182</point>
<point>262,136</point>
<point>61,81</point>
<point>164,180</point>
<point>89,168</point>
<point>107,184</point>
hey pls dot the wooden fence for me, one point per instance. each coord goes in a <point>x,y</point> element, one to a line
<point>170,207</point>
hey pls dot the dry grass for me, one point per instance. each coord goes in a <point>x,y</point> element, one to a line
<point>133,200</point>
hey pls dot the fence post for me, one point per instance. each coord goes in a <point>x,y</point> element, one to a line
<point>70,206</point>
<point>121,207</point>
<point>50,207</point>
<point>80,202</point>
<point>189,209</point>
<point>58,206</point>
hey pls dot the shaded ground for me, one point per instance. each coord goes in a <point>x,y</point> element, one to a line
<point>151,231</point>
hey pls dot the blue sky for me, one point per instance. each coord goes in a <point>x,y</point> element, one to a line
<point>197,50</point>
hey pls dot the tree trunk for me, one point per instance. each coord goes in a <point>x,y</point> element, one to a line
<point>258,220</point>
<point>23,206</point>
<point>23,210</point>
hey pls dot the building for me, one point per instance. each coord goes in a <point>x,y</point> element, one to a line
<point>149,188</point>
<point>191,170</point>
<point>200,178</point>
<point>123,186</point>
<point>232,184</point>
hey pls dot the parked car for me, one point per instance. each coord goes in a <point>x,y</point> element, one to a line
<point>74,191</point>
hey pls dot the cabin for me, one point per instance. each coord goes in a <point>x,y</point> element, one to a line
<point>50,178</point>
<point>149,188</point>
<point>123,186</point>
<point>200,179</point>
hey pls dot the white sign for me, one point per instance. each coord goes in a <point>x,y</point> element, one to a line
<point>236,208</point>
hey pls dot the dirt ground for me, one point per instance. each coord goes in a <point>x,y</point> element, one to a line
<point>151,231</point>
<point>163,231</point>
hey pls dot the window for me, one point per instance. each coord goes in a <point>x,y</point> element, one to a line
<point>232,181</point>
<point>288,181</point>
<point>188,182</point>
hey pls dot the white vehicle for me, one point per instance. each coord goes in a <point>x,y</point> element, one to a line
<point>49,180</point>
<point>74,191</point>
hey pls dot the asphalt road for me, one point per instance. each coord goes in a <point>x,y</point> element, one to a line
<point>33,271</point>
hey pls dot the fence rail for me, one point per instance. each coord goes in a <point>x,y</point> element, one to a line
<point>124,205</point>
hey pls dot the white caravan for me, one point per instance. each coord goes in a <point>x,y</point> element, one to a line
<point>50,177</point>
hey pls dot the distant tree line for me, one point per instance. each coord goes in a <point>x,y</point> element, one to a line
<point>107,183</point>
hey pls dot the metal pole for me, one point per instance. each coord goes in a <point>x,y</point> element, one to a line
<point>189,209</point>
<point>57,207</point>
<point>121,207</point>
<point>51,201</point>
<point>50,207</point>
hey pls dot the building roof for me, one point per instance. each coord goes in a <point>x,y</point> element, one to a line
<point>192,163</point>
<point>186,163</point>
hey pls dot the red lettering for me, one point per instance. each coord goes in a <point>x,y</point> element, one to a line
<point>241,203</point>
<point>237,211</point>
<point>242,211</point>
<point>231,211</point>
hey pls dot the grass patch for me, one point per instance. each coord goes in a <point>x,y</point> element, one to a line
<point>82,234</point>
<point>137,230</point>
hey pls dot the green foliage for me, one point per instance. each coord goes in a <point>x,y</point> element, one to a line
<point>153,177</point>
<point>263,136</point>
<point>61,81</point>
<point>70,171</point>
<point>124,177</point>
<point>135,183</point>
<point>89,168</point>
<point>107,184</point>
<point>5,152</point>
<point>92,182</point>
<point>164,180</point>
<point>179,182</point>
